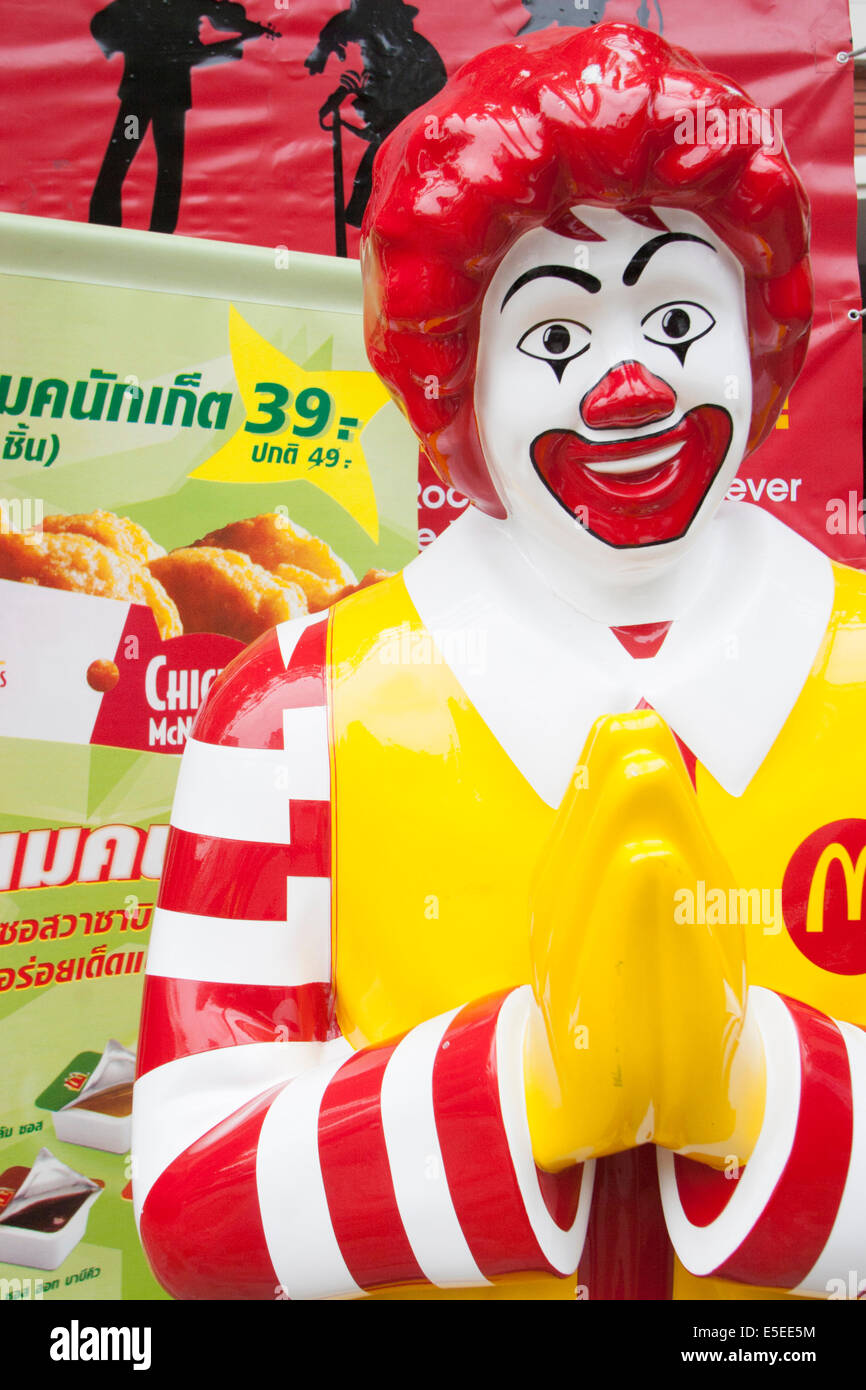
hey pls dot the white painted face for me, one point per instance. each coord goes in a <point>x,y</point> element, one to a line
<point>613,389</point>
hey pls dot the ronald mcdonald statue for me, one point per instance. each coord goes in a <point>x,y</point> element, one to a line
<point>510,942</point>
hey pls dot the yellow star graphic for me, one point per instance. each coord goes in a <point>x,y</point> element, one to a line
<point>299,425</point>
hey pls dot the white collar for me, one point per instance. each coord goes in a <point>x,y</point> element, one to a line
<point>540,673</point>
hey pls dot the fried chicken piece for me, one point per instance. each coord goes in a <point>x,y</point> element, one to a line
<point>117,532</point>
<point>223,591</point>
<point>370,578</point>
<point>271,540</point>
<point>83,565</point>
<point>320,593</point>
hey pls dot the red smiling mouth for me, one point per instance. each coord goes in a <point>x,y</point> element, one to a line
<point>635,506</point>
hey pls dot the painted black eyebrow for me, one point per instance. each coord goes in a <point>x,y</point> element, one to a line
<point>564,272</point>
<point>633,270</point>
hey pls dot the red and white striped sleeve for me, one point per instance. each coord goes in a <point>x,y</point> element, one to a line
<point>794,1217</point>
<point>270,1159</point>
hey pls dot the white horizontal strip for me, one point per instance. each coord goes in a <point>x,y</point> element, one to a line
<point>562,1248</point>
<point>417,1168</point>
<point>289,633</point>
<point>703,1249</point>
<point>96,255</point>
<point>305,736</point>
<point>233,793</point>
<point>844,1255</point>
<point>294,1206</point>
<point>186,946</point>
<point>177,1103</point>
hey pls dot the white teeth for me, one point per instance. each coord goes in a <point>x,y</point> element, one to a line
<point>634,465</point>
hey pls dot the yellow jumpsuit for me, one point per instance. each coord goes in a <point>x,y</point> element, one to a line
<point>436,837</point>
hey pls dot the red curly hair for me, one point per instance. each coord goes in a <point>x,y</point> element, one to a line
<point>518,136</point>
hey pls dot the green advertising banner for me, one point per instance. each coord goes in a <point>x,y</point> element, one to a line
<point>194,449</point>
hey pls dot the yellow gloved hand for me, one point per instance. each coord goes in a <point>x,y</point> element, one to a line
<point>639,1035</point>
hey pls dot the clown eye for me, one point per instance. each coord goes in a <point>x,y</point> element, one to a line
<point>556,341</point>
<point>677,326</point>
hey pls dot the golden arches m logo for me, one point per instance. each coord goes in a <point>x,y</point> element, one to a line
<point>854,873</point>
<point>822,897</point>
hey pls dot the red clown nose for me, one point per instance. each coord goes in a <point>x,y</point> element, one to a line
<point>627,396</point>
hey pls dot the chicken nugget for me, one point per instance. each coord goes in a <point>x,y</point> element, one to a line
<point>83,565</point>
<point>222,591</point>
<point>272,540</point>
<point>146,588</point>
<point>117,532</point>
<point>320,593</point>
<point>370,578</point>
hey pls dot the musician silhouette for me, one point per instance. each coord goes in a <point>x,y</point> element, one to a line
<point>160,43</point>
<point>401,71</point>
<point>580,14</point>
